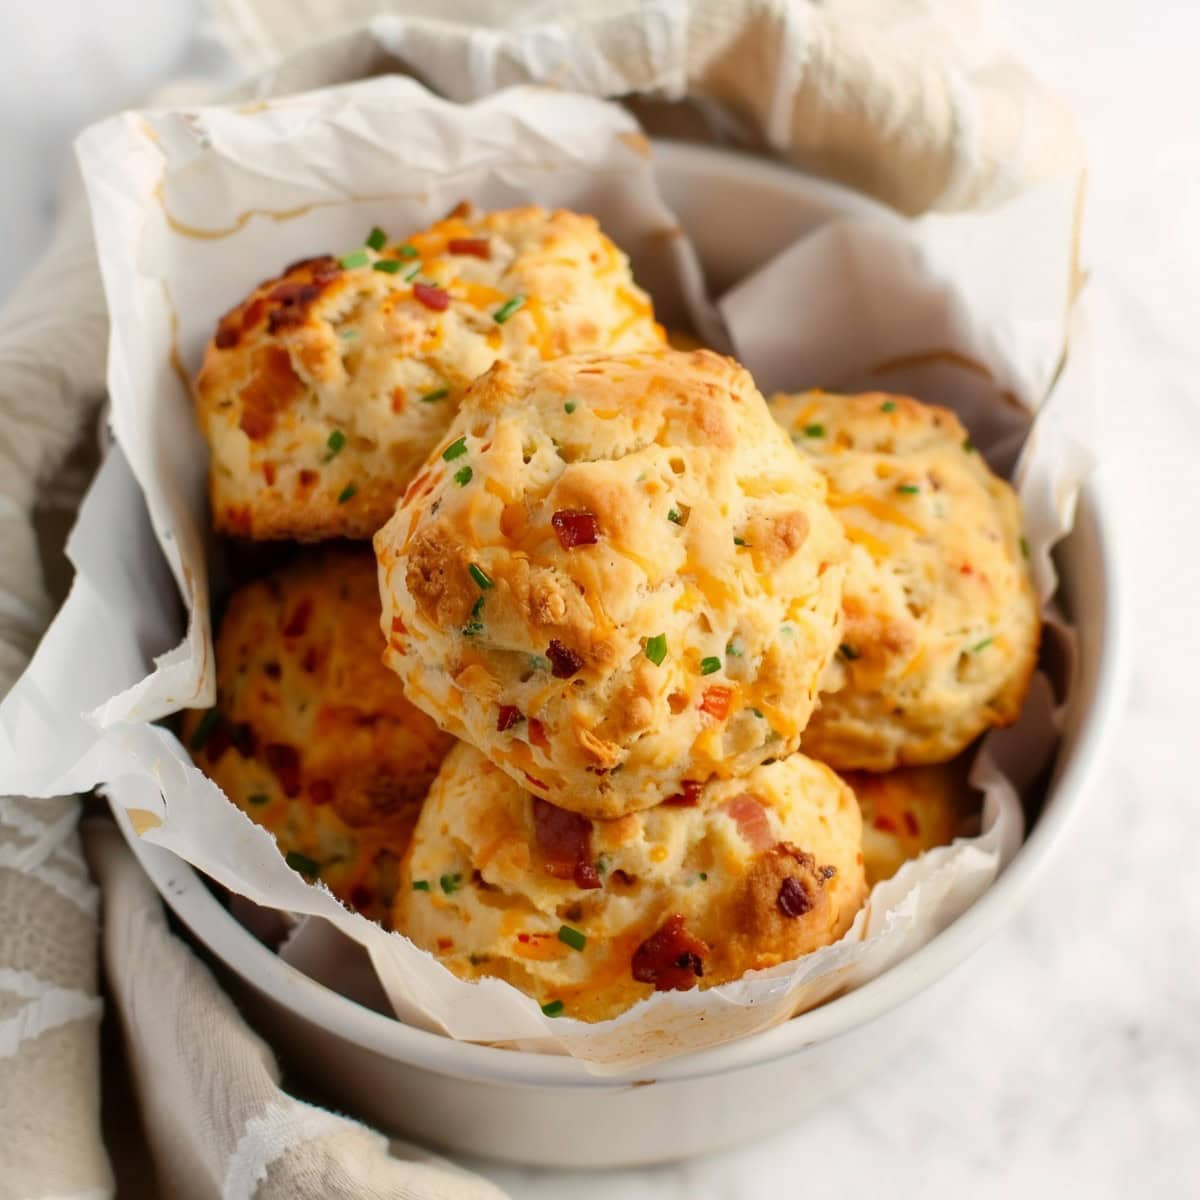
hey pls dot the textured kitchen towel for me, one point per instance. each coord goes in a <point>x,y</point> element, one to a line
<point>910,100</point>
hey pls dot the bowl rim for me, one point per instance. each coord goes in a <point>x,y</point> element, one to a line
<point>180,885</point>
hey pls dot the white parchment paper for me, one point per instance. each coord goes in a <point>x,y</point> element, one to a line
<point>192,208</point>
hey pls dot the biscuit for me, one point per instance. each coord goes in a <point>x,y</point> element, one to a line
<point>941,618</point>
<point>311,735</point>
<point>325,389</point>
<point>614,575</point>
<point>589,917</point>
<point>911,810</point>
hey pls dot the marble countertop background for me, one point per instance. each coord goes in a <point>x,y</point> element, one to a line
<point>1067,1059</point>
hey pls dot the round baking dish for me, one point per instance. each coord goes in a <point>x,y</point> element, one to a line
<point>550,1111</point>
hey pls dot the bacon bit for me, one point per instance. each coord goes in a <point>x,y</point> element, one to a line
<point>671,959</point>
<point>312,659</point>
<point>689,797</point>
<point>793,900</point>
<point>445,943</point>
<point>293,299</point>
<point>623,876</point>
<point>575,527</point>
<point>565,842</point>
<point>272,670</point>
<point>297,623</point>
<point>885,824</point>
<point>398,625</point>
<point>537,734</point>
<point>716,700</point>
<point>432,297</point>
<point>537,783</point>
<point>321,791</point>
<point>479,247</point>
<point>750,815</point>
<point>398,400</point>
<point>508,716</point>
<point>219,741</point>
<point>307,478</point>
<point>910,823</point>
<point>284,760</point>
<point>541,947</point>
<point>268,470</point>
<point>563,662</point>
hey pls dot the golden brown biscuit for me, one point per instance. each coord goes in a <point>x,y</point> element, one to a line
<point>614,575</point>
<point>311,735</point>
<point>909,811</point>
<point>941,619</point>
<point>324,390</point>
<point>589,917</point>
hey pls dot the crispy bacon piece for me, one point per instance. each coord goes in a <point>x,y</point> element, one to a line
<point>297,623</point>
<point>537,734</point>
<point>793,899</point>
<point>564,662</point>
<point>284,760</point>
<point>321,791</point>
<point>715,701</point>
<point>671,959</point>
<point>479,247</point>
<point>689,797</point>
<point>575,527</point>
<point>565,842</point>
<point>432,297</point>
<point>508,716</point>
<point>910,823</point>
<point>750,815</point>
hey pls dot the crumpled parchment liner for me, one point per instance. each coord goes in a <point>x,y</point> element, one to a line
<point>192,208</point>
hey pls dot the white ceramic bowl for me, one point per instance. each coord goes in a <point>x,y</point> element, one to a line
<point>547,1110</point>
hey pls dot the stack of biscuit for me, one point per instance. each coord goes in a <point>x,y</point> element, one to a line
<point>635,620</point>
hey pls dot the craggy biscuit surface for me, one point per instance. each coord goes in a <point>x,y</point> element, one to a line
<point>324,390</point>
<point>589,917</point>
<point>311,735</point>
<point>941,619</point>
<point>613,576</point>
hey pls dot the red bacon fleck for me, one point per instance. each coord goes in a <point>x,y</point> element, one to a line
<point>307,478</point>
<point>575,527</point>
<point>284,760</point>
<point>533,781</point>
<point>910,823</point>
<point>689,797</point>
<point>537,734</point>
<point>750,816</point>
<point>479,247</point>
<point>793,900</point>
<point>884,824</point>
<point>715,701</point>
<point>671,959</point>
<point>293,299</point>
<point>398,625</point>
<point>297,623</point>
<point>564,662</point>
<point>565,842</point>
<point>321,791</point>
<point>268,470</point>
<point>432,297</point>
<point>507,717</point>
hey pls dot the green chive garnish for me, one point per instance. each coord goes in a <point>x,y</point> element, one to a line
<point>709,665</point>
<point>758,713</point>
<point>377,239</point>
<point>413,274</point>
<point>1024,548</point>
<point>407,251</point>
<point>507,309</point>
<point>734,648</point>
<point>349,491</point>
<point>357,259</point>
<point>572,937</point>
<point>455,450</point>
<point>553,1008</point>
<point>258,798</point>
<point>200,734</point>
<point>888,406</point>
<point>450,883</point>
<point>570,406</point>
<point>538,662</point>
<point>675,517</point>
<point>602,864</point>
<point>739,541</point>
<point>463,476</point>
<point>480,576</point>
<point>389,266</point>
<point>969,446</point>
<point>909,489</point>
<point>814,431</point>
<point>656,649</point>
<point>436,395</point>
<point>420,885</point>
<point>474,626</point>
<point>302,863</point>
<point>848,652</point>
<point>334,443</point>
<point>987,641</point>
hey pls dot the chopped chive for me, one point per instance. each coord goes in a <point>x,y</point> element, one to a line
<point>709,665</point>
<point>334,443</point>
<point>389,266</point>
<point>408,251</point>
<point>553,1008</point>
<point>909,489</point>
<point>570,406</point>
<point>602,864</point>
<point>450,883</point>
<point>480,576</point>
<point>656,649</point>
<point>357,259</point>
<point>302,863</point>
<point>969,446</point>
<point>848,652</point>
<point>572,937</point>
<point>201,733</point>
<point>455,450</point>
<point>436,395</point>
<point>739,541</point>
<point>258,798</point>
<point>758,713</point>
<point>539,662</point>
<point>376,239</point>
<point>420,885</point>
<point>814,431</point>
<point>987,641</point>
<point>474,627</point>
<point>675,517</point>
<point>734,647</point>
<point>463,476</point>
<point>888,406</point>
<point>347,493</point>
<point>1024,548</point>
<point>413,274</point>
<point>507,309</point>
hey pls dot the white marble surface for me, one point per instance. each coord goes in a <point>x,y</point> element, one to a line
<point>1068,1059</point>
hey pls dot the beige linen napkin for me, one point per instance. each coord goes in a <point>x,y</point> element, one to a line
<point>907,99</point>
